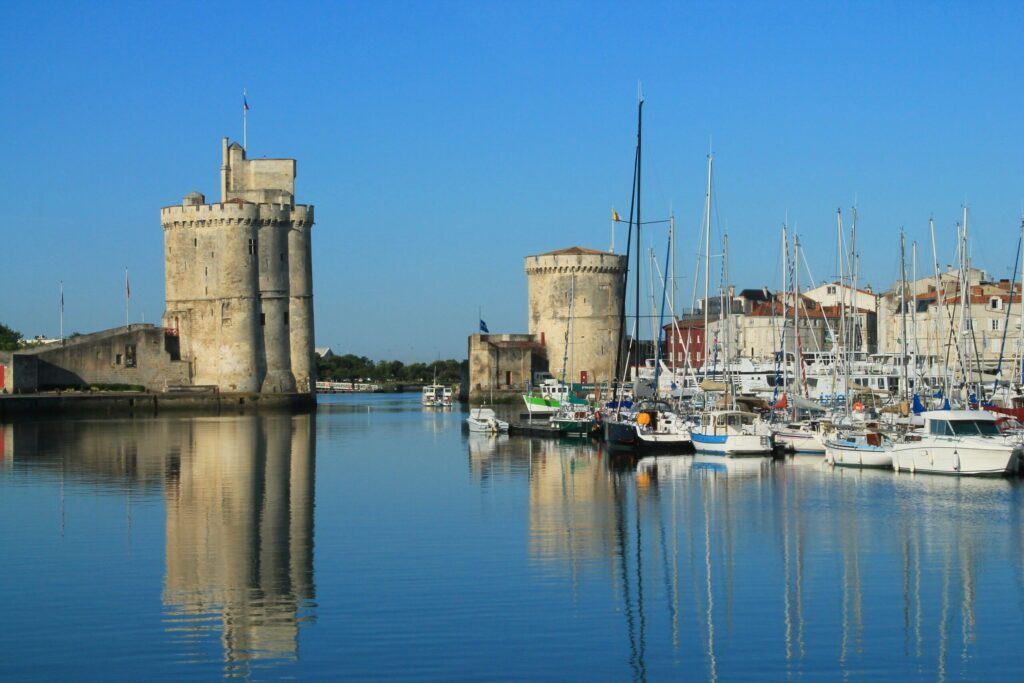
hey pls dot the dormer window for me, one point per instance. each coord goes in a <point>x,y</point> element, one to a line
<point>995,303</point>
<point>831,289</point>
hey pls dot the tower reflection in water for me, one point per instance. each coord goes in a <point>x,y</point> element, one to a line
<point>240,533</point>
<point>238,493</point>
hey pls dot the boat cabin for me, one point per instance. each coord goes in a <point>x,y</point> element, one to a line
<point>724,420</point>
<point>960,423</point>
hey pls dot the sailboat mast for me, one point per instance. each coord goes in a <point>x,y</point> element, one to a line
<point>785,288</point>
<point>707,262</point>
<point>940,315</point>
<point>798,368</point>
<point>639,166</point>
<point>903,313</point>
<point>620,366</point>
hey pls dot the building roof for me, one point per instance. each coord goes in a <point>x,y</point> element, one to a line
<point>576,251</point>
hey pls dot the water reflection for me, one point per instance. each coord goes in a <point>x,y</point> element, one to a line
<point>238,497</point>
<point>240,534</point>
<point>807,565</point>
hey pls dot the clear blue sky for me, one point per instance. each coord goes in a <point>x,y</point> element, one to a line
<point>443,142</point>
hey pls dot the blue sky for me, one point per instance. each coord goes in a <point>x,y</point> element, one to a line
<point>443,142</point>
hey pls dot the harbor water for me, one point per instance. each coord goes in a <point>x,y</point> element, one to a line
<point>377,540</point>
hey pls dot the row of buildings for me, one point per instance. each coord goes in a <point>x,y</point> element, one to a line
<point>575,299</point>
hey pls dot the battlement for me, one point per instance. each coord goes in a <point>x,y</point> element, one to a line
<point>596,262</point>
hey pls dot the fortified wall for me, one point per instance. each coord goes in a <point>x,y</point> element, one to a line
<point>239,279</point>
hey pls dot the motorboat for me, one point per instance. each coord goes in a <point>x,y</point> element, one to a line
<point>959,442</point>
<point>484,420</point>
<point>803,437</point>
<point>859,449</point>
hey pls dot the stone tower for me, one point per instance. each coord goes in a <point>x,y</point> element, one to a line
<point>239,279</point>
<point>595,281</point>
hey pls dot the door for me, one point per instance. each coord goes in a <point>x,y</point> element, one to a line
<point>583,377</point>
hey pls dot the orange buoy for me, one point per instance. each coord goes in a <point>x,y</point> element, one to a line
<point>643,419</point>
<point>858,406</point>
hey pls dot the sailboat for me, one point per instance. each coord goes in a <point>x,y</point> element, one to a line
<point>726,431</point>
<point>651,423</point>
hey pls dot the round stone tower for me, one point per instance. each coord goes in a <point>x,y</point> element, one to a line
<point>239,279</point>
<point>275,221</point>
<point>300,303</point>
<point>213,292</point>
<point>589,282</point>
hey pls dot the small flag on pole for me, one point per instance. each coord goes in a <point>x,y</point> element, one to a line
<point>127,285</point>
<point>615,216</point>
<point>483,327</point>
<point>245,103</point>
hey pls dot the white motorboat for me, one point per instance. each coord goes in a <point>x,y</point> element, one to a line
<point>484,420</point>
<point>803,437</point>
<point>959,442</point>
<point>859,449</point>
<point>731,433</point>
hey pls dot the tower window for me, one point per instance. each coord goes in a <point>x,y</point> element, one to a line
<point>195,242</point>
<point>252,247</point>
<point>286,317</point>
<point>263,318</point>
<point>282,257</point>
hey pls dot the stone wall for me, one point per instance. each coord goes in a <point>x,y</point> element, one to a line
<point>502,363</point>
<point>136,355</point>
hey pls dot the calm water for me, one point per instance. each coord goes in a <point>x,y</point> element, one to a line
<point>378,541</point>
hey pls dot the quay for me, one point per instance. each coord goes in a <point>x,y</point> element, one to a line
<point>538,428</point>
<point>139,404</point>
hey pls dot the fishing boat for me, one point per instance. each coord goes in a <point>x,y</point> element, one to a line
<point>959,442</point>
<point>549,397</point>
<point>484,420</point>
<point>436,395</point>
<point>573,420</point>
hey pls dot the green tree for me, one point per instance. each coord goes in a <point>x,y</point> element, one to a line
<point>10,340</point>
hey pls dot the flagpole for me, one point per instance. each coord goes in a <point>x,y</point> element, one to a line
<point>127,296</point>
<point>245,111</point>
<point>62,310</point>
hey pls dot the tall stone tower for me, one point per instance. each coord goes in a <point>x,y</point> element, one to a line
<point>239,279</point>
<point>593,280</point>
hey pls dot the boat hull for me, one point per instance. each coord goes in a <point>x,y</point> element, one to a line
<point>842,455</point>
<point>801,442</point>
<point>957,459</point>
<point>732,445</point>
<point>536,405</point>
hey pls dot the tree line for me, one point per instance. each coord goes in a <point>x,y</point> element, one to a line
<point>353,368</point>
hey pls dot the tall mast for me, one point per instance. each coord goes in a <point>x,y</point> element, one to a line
<point>639,166</point>
<point>785,295</point>
<point>707,262</point>
<point>940,315</point>
<point>798,367</point>
<point>620,366</point>
<point>913,314</point>
<point>903,312</point>
<point>840,340</point>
